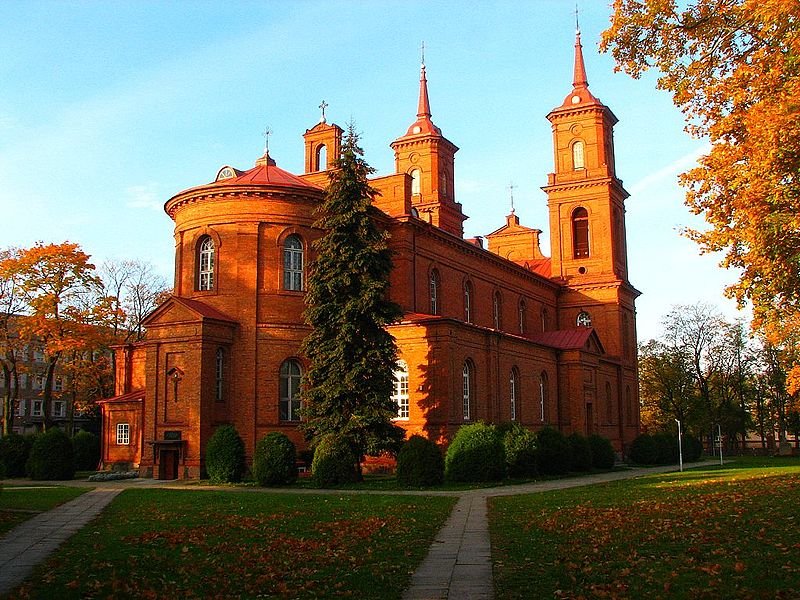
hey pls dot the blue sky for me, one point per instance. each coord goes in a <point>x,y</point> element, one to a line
<point>107,109</point>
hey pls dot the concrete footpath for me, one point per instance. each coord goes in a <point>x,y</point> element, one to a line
<point>31,542</point>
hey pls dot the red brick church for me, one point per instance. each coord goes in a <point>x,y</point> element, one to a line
<point>491,332</point>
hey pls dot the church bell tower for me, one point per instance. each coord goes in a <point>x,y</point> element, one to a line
<point>587,218</point>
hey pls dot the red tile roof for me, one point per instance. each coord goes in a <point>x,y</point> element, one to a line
<point>566,339</point>
<point>540,266</point>
<point>135,395</point>
<point>203,309</point>
<point>264,173</point>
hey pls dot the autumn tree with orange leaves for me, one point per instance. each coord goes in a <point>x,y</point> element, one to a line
<point>733,67</point>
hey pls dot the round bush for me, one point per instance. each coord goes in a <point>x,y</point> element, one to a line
<point>520,449</point>
<point>602,452</point>
<point>334,462</point>
<point>275,460</point>
<point>692,448</point>
<point>666,448</point>
<point>643,450</point>
<point>14,452</point>
<point>580,453</point>
<point>87,450</point>
<point>51,456</point>
<point>554,452</point>
<point>419,463</point>
<point>225,455</point>
<point>475,454</point>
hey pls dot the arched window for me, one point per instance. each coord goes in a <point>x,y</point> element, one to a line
<point>578,156</point>
<point>435,284</point>
<point>629,406</point>
<point>513,392</point>
<point>609,404</point>
<point>415,182</point>
<point>468,301</point>
<point>205,263</point>
<point>583,319</point>
<point>522,316</point>
<point>293,263</point>
<point>468,387</point>
<point>321,158</point>
<point>543,395</point>
<point>626,336</point>
<point>580,233</point>
<point>219,369</point>
<point>290,390</point>
<point>497,310</point>
<point>400,389</point>
<point>545,319</point>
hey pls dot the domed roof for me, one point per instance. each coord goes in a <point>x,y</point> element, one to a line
<point>265,172</point>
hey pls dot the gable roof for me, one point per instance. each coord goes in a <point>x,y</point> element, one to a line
<point>580,338</point>
<point>197,311</point>
<point>130,396</point>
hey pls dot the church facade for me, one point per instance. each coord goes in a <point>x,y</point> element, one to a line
<point>498,333</point>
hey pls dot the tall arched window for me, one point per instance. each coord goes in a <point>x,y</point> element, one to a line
<point>522,316</point>
<point>609,404</point>
<point>400,389</point>
<point>219,369</point>
<point>290,390</point>
<point>543,395</point>
<point>545,319</point>
<point>321,158</point>
<point>468,385</point>
<point>578,156</point>
<point>497,310</point>
<point>629,406</point>
<point>468,301</point>
<point>205,263</point>
<point>435,284</point>
<point>580,233</point>
<point>513,392</point>
<point>293,263</point>
<point>415,181</point>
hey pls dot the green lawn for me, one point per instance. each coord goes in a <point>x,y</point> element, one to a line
<point>240,544</point>
<point>716,532</point>
<point>20,503</point>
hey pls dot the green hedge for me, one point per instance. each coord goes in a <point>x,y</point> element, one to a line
<point>580,453</point>
<point>87,450</point>
<point>603,456</point>
<point>520,450</point>
<point>14,452</point>
<point>643,450</point>
<point>225,455</point>
<point>275,460</point>
<point>475,454</point>
<point>554,454</point>
<point>51,457</point>
<point>420,463</point>
<point>334,462</point>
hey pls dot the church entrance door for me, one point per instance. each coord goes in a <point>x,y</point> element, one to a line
<point>168,463</point>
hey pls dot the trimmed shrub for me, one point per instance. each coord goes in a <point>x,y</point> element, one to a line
<point>692,448</point>
<point>87,450</point>
<point>581,453</point>
<point>334,462</point>
<point>275,460</point>
<point>420,463</point>
<point>643,450</point>
<point>475,454</point>
<point>51,457</point>
<point>666,448</point>
<point>602,452</point>
<point>225,455</point>
<point>520,449</point>
<point>554,452</point>
<point>14,452</point>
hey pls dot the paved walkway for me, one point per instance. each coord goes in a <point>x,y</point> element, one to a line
<point>31,542</point>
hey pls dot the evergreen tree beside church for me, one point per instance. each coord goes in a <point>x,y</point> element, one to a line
<point>347,391</point>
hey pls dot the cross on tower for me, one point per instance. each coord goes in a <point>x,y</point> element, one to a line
<point>577,24</point>
<point>511,187</point>
<point>323,106</point>
<point>423,53</point>
<point>266,133</point>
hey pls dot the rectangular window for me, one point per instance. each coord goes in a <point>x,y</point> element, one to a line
<point>38,355</point>
<point>20,412</point>
<point>58,384</point>
<point>123,434</point>
<point>59,409</point>
<point>37,408</point>
<point>38,382</point>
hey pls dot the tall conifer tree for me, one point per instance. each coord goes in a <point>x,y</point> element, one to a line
<point>347,389</point>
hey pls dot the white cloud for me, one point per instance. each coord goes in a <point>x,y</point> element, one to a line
<point>669,171</point>
<point>144,196</point>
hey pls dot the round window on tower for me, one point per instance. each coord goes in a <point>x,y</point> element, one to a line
<point>584,320</point>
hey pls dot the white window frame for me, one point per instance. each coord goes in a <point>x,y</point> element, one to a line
<point>467,391</point>
<point>289,384</point>
<point>400,390</point>
<point>205,265</point>
<point>512,391</point>
<point>123,434</point>
<point>293,263</point>
<point>435,282</point>
<point>63,409</point>
<point>37,407</point>
<point>219,368</point>
<point>20,409</point>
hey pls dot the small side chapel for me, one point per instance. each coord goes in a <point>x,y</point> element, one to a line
<point>498,333</point>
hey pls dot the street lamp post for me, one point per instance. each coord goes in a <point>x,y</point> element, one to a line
<point>719,439</point>
<point>680,446</point>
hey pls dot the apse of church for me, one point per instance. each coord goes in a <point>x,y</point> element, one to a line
<point>498,333</point>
